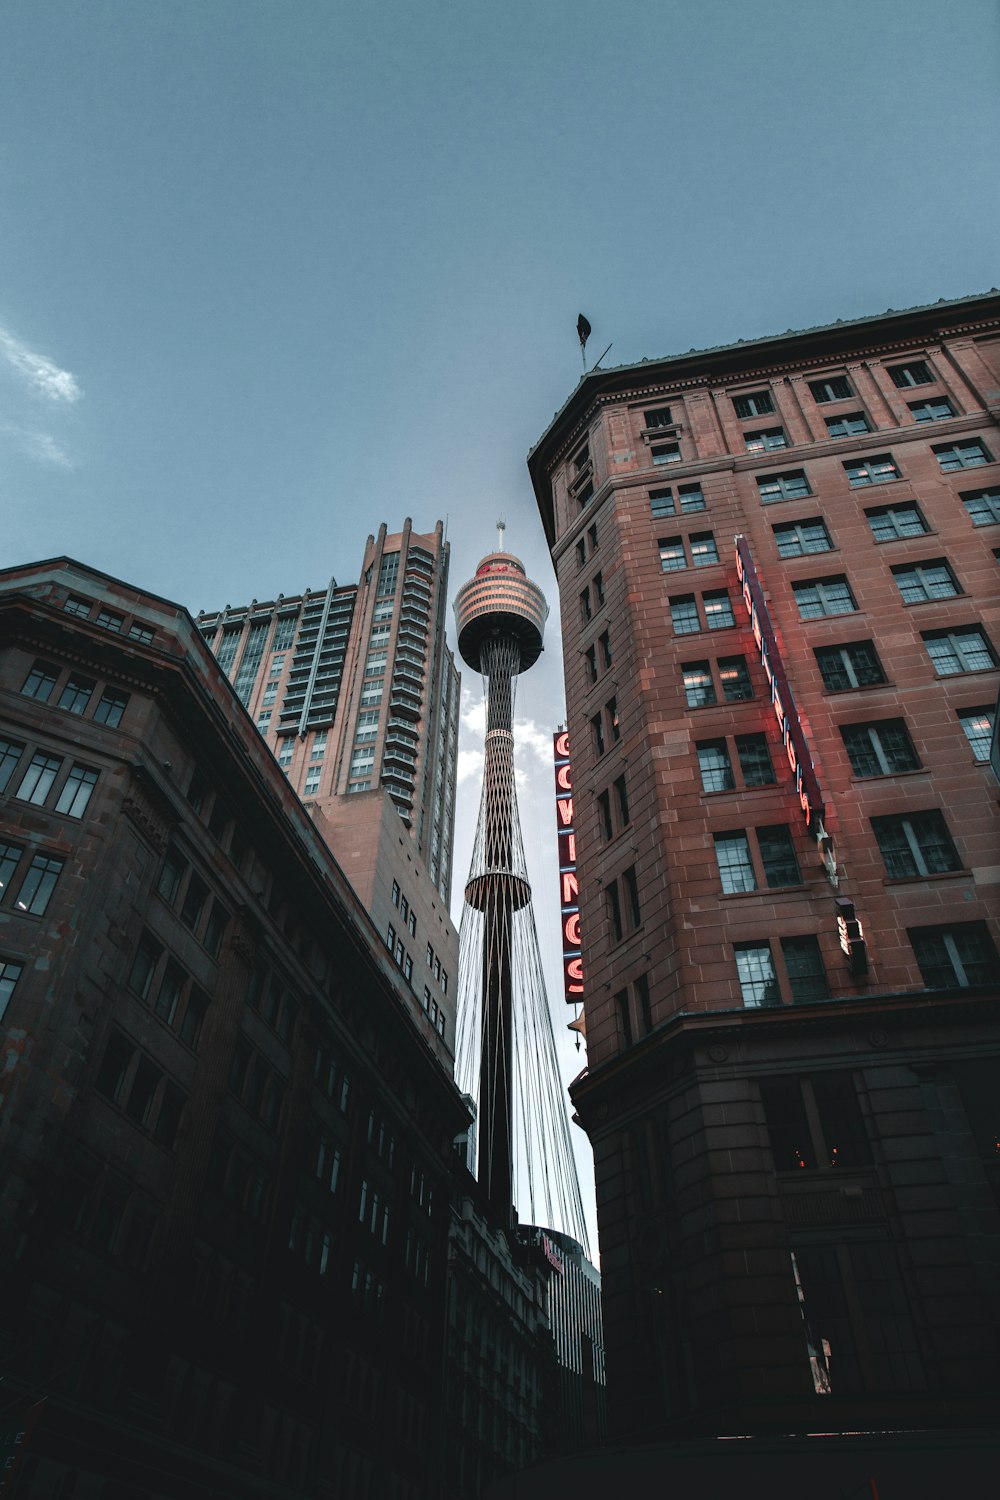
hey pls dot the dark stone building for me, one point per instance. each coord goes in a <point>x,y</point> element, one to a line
<point>788,839</point>
<point>225,1145</point>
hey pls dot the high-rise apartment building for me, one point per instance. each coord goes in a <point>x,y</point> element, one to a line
<point>354,688</point>
<point>778,574</point>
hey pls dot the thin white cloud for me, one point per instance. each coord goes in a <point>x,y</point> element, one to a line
<point>42,374</point>
<point>41,446</point>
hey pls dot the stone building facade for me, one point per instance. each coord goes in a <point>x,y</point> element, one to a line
<point>778,574</point>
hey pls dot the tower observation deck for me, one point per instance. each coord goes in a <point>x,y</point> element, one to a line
<point>505,1028</point>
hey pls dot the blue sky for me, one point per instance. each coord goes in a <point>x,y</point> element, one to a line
<point>274,270</point>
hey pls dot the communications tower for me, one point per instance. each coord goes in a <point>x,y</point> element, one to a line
<point>506,1053</point>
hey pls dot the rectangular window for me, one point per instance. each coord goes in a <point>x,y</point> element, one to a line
<point>671,554</point>
<point>699,689</point>
<point>194,901</point>
<point>194,1014</point>
<point>879,749</point>
<point>661,503</point>
<point>110,620</point>
<point>591,658</point>
<point>963,954</point>
<point>983,506</point>
<point>10,973</point>
<point>848,425</point>
<point>76,694</point>
<point>171,987</point>
<point>755,759</point>
<point>690,498</point>
<point>585,495</point>
<point>804,966</point>
<point>915,844</point>
<point>286,753</point>
<point>611,714</point>
<point>604,641</point>
<point>630,883</point>
<point>658,418</point>
<point>889,522</point>
<point>977,724</point>
<point>916,373</point>
<point>703,549</point>
<point>318,745</point>
<point>665,453</point>
<point>789,486</point>
<point>621,793</point>
<point>76,791</point>
<point>313,778</point>
<point>758,981</point>
<point>597,726</point>
<point>714,765</point>
<point>581,553</point>
<point>10,754</point>
<point>79,607</point>
<point>36,783</point>
<point>777,853</point>
<point>817,597</point>
<point>684,614</point>
<point>718,610</point>
<point>932,410</point>
<point>614,910</point>
<point>110,708</point>
<point>753,404</point>
<point>38,885</point>
<point>604,810</point>
<point>10,855</point>
<point>585,610</point>
<point>732,854</point>
<point>927,580</point>
<point>40,681</point>
<point>147,956</point>
<point>215,928</point>
<point>139,632</point>
<point>854,665</point>
<point>970,454</point>
<point>833,388</point>
<point>114,1066</point>
<point>797,538</point>
<point>953,651</point>
<point>624,1017</point>
<point>876,470</point>
<point>766,439</point>
<point>735,679</point>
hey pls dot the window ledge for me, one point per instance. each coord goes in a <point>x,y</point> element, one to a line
<point>919,603</point>
<point>886,775</point>
<point>918,536</point>
<point>895,880</point>
<point>865,687</point>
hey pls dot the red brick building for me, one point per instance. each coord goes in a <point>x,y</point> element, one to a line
<point>789,862</point>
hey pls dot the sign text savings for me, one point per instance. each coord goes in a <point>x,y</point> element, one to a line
<point>569,888</point>
<point>785,712</point>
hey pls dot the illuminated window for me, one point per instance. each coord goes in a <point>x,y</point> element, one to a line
<point>954,651</point>
<point>963,954</point>
<point>921,582</point>
<point>977,724</point>
<point>879,749</point>
<point>817,597</point>
<point>877,470</point>
<point>971,454</point>
<point>847,426</point>
<point>915,844</point>
<point>908,375</point>
<point>766,439</point>
<point>932,410</point>
<point>833,388</point>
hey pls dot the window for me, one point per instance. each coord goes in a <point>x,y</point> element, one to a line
<point>915,844</point>
<point>318,745</point>
<point>604,641</point>
<point>110,708</point>
<point>777,853</point>
<point>766,439</point>
<point>314,776</point>
<point>215,928</point>
<point>718,610</point>
<point>960,955</point>
<point>395,893</point>
<point>658,418</point>
<point>977,724</point>
<point>411,924</point>
<point>585,495</point>
<point>971,454</point>
<point>789,486</point>
<point>264,720</point>
<point>591,656</point>
<point>665,453</point>
<point>907,375</point>
<point>114,1066</point>
<point>581,553</point>
<point>76,792</point>
<point>755,759</point>
<point>581,459</point>
<point>983,506</point>
<point>597,726</point>
<point>848,425</point>
<point>194,901</point>
<point>169,996</point>
<point>38,885</point>
<point>10,973</point>
<point>758,981</point>
<point>10,855</point>
<point>147,956</point>
<point>614,911</point>
<point>611,714</point>
<point>630,885</point>
<point>932,410</point>
<point>817,597</point>
<point>194,1014</point>
<point>876,470</point>
<point>684,614</point>
<point>79,607</point>
<point>624,1017</point>
<point>804,966</point>
<point>879,749</point>
<point>621,794</point>
<point>10,754</point>
<point>76,694</point>
<point>854,665</point>
<point>390,939</point>
<point>714,765</point>
<point>927,580</point>
<point>953,651</point>
<point>110,620</point>
<point>703,549</point>
<point>889,522</point>
<point>732,854</point>
<point>40,681</point>
<point>585,610</point>
<point>833,388</point>
<point>139,632</point>
<point>592,537</point>
<point>814,1121</point>
<point>797,538</point>
<point>753,404</point>
<point>286,753</point>
<point>699,689</point>
<point>36,783</point>
<point>735,679</point>
<point>671,556</point>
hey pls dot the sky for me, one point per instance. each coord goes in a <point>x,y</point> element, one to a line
<point>273,271</point>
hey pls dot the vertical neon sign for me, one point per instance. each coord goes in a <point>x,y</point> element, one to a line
<point>569,888</point>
